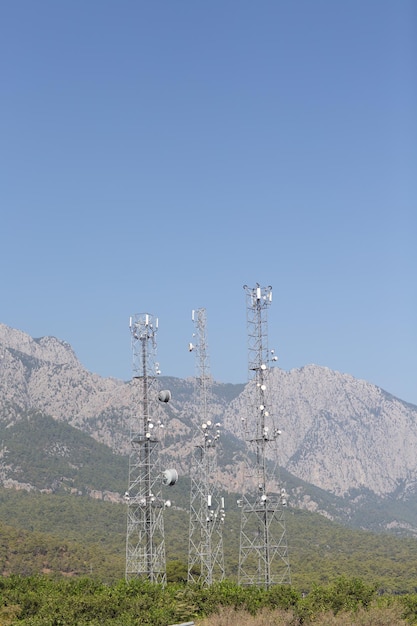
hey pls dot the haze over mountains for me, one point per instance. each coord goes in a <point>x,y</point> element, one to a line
<point>340,435</point>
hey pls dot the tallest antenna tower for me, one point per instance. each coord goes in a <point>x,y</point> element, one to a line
<point>263,555</point>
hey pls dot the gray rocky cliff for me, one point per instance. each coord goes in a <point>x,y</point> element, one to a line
<point>339,433</point>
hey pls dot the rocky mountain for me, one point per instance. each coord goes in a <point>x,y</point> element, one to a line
<point>345,443</point>
<point>340,433</point>
<point>44,375</point>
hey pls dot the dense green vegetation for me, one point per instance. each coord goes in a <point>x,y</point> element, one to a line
<point>39,600</point>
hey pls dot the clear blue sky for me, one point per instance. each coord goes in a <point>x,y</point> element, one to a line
<point>156,156</point>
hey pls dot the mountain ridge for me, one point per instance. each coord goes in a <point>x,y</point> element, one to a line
<point>341,435</point>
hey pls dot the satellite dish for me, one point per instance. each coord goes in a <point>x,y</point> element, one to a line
<point>169,477</point>
<point>164,396</point>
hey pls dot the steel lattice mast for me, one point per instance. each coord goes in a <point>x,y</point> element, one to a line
<point>263,554</point>
<point>145,541</point>
<point>205,554</point>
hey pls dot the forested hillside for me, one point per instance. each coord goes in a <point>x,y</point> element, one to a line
<point>75,535</point>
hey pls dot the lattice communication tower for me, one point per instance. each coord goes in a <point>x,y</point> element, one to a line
<point>145,540</point>
<point>263,554</point>
<point>207,513</point>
